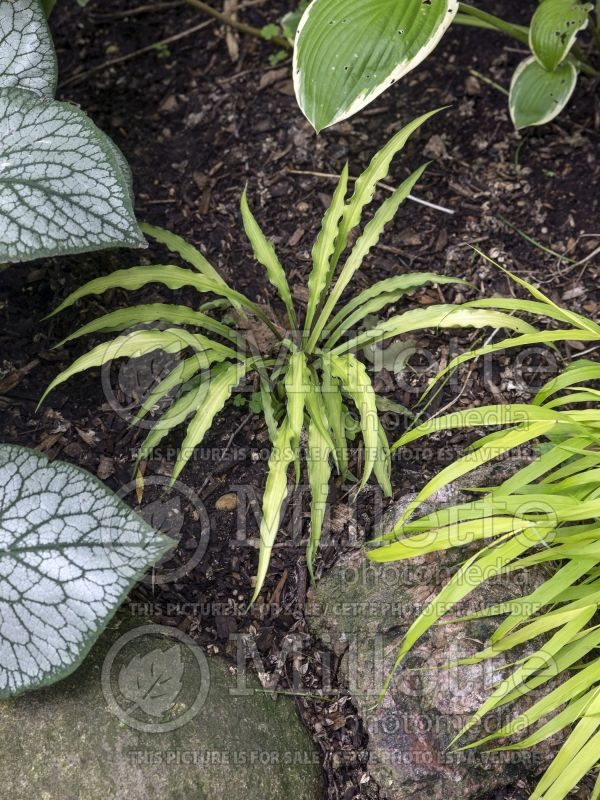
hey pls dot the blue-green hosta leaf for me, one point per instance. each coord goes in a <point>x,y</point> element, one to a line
<point>554,27</point>
<point>69,553</point>
<point>538,95</point>
<point>62,187</point>
<point>27,58</point>
<point>349,51</point>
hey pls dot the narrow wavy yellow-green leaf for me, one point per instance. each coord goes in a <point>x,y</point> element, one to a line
<point>319,473</point>
<point>276,491</point>
<point>218,392</point>
<point>265,254</point>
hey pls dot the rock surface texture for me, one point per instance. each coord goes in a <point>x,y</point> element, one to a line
<point>149,716</point>
<point>361,611</point>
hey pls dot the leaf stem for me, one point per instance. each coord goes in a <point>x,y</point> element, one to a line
<point>518,32</point>
<point>469,15</point>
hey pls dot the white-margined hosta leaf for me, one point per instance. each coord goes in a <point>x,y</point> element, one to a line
<point>27,58</point>
<point>349,51</point>
<point>554,27</point>
<point>538,95</point>
<point>62,187</point>
<point>69,553</point>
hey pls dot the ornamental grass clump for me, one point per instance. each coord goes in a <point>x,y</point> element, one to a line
<point>546,514</point>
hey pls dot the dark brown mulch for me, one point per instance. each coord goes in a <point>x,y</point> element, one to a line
<point>196,126</point>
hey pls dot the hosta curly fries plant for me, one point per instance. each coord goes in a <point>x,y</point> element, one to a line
<point>304,389</point>
<point>547,513</point>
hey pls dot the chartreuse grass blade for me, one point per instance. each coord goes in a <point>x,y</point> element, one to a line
<point>489,562</point>
<point>156,312</point>
<point>543,468</point>
<point>577,372</point>
<point>543,596</point>
<point>527,340</point>
<point>572,688</point>
<point>373,230</point>
<point>577,396</point>
<point>483,416</point>
<point>570,621</point>
<point>218,392</point>
<point>356,383</point>
<point>577,686</point>
<point>315,407</point>
<point>296,383</point>
<point>175,244</point>
<point>537,308</point>
<point>536,663</point>
<point>323,249</point>
<point>265,254</point>
<point>443,538</point>
<point>276,491</point>
<point>462,466</point>
<point>575,319</point>
<point>319,473</point>
<point>268,408</point>
<point>578,755</point>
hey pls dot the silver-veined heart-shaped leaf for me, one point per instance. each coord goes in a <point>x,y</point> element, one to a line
<point>538,95</point>
<point>554,27</point>
<point>70,551</point>
<point>27,57</point>
<point>63,184</point>
<point>349,51</point>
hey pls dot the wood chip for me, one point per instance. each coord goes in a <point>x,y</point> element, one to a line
<point>227,502</point>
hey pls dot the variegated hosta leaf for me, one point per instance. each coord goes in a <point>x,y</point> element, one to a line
<point>554,27</point>
<point>538,95</point>
<point>69,553</point>
<point>27,58</point>
<point>62,187</point>
<point>349,51</point>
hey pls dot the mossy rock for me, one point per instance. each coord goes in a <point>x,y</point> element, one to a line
<point>151,717</point>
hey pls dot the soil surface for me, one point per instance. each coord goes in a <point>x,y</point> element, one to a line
<point>199,116</point>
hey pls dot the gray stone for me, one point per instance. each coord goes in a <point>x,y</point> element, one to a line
<point>362,610</point>
<point>151,717</point>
